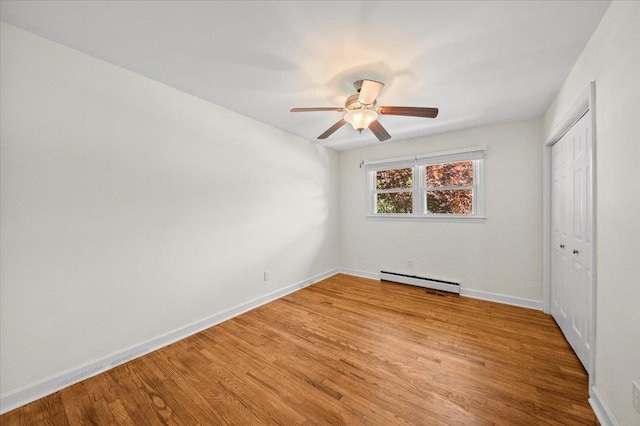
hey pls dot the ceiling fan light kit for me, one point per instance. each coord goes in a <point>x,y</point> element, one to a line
<point>360,119</point>
<point>361,112</point>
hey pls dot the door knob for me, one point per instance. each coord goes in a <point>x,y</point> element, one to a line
<point>576,252</point>
<point>561,245</point>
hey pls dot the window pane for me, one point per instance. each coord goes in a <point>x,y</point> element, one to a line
<point>450,174</point>
<point>395,202</point>
<point>452,201</point>
<point>396,178</point>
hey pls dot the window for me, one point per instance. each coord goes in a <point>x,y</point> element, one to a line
<point>446,185</point>
<point>394,191</point>
<point>449,188</point>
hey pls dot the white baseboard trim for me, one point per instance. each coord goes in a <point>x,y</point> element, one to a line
<point>476,294</point>
<point>600,408</point>
<point>33,391</point>
<point>502,298</point>
<point>363,274</point>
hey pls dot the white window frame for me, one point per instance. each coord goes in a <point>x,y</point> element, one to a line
<point>420,189</point>
<point>412,190</point>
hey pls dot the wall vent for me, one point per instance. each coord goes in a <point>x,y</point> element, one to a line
<point>432,283</point>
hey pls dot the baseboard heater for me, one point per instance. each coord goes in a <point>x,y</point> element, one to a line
<point>432,283</point>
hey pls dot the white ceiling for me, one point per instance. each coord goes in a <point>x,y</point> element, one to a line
<point>480,62</point>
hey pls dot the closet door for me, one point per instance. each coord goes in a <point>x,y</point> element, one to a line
<point>571,258</point>
<point>560,307</point>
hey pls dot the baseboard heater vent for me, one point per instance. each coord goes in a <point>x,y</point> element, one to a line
<point>432,283</point>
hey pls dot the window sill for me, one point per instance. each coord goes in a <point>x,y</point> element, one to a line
<point>411,218</point>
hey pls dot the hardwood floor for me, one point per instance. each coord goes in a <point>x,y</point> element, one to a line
<point>344,351</point>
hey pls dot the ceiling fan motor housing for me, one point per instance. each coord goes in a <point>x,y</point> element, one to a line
<point>352,103</point>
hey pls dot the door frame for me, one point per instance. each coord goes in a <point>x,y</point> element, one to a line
<point>585,104</point>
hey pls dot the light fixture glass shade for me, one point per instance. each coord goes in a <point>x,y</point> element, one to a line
<point>360,118</point>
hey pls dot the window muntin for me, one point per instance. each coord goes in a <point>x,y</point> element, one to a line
<point>445,186</point>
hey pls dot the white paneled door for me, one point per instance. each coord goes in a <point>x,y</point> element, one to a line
<point>571,237</point>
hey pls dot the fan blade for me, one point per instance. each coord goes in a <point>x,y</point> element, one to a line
<point>409,111</point>
<point>317,109</point>
<point>332,129</point>
<point>369,91</point>
<point>379,131</point>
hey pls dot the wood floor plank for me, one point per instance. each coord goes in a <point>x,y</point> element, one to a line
<point>346,350</point>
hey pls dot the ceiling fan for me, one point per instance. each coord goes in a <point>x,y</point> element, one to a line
<point>362,111</point>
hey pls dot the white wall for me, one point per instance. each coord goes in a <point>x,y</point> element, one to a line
<point>612,59</point>
<point>500,256</point>
<point>131,209</point>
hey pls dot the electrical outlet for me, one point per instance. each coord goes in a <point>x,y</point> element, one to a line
<point>266,275</point>
<point>636,396</point>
